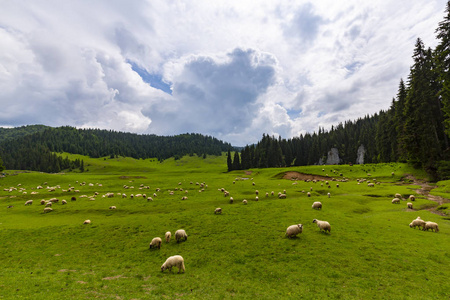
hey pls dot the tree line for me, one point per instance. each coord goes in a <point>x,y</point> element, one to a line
<point>415,129</point>
<point>37,151</point>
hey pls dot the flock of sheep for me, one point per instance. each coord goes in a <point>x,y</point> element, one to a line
<point>180,234</point>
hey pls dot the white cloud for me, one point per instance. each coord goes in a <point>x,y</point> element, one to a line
<point>238,69</point>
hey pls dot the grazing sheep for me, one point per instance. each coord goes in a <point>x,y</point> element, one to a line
<point>410,205</point>
<point>42,202</point>
<point>282,196</point>
<point>174,261</point>
<point>317,205</point>
<point>112,207</point>
<point>218,210</point>
<point>73,199</point>
<point>369,184</point>
<point>168,235</point>
<point>256,198</point>
<point>87,222</point>
<point>293,230</point>
<point>29,202</point>
<point>48,209</point>
<point>417,222</point>
<point>180,234</point>
<point>308,194</point>
<point>329,195</point>
<point>63,202</point>
<point>155,243</point>
<point>151,199</point>
<point>323,225</point>
<point>431,225</point>
<point>231,200</point>
<point>395,201</point>
<point>48,204</point>
<point>244,201</point>
<point>399,196</point>
<point>337,185</point>
<point>267,194</point>
<point>272,193</point>
<point>257,192</point>
<point>412,198</point>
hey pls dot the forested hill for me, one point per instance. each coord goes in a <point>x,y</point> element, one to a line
<point>17,132</point>
<point>34,151</point>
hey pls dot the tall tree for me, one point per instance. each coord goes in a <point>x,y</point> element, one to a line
<point>229,161</point>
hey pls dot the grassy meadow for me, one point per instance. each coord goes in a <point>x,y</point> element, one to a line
<point>371,252</point>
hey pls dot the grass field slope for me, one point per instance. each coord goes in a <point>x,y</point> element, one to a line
<point>242,253</point>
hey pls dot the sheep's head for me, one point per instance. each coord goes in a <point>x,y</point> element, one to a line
<point>315,221</point>
<point>410,225</point>
<point>163,268</point>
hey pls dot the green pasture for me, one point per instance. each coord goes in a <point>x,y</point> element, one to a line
<point>371,252</point>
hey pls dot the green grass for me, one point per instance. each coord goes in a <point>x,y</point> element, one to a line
<point>371,252</point>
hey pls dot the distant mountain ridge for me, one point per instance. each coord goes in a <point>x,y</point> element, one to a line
<point>26,147</point>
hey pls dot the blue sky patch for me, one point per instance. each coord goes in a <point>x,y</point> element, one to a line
<point>155,80</point>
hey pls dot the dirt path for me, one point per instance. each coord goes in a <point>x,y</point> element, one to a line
<point>425,191</point>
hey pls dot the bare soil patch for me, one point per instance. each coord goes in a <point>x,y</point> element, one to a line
<point>293,175</point>
<point>425,189</point>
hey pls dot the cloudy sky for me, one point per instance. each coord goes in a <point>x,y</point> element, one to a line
<point>230,69</point>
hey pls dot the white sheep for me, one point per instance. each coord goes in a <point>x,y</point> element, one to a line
<point>168,235</point>
<point>399,196</point>
<point>329,195</point>
<point>174,261</point>
<point>410,205</point>
<point>48,204</point>
<point>155,243</point>
<point>180,234</point>
<point>323,225</point>
<point>218,210</point>
<point>87,222</point>
<point>282,196</point>
<point>395,201</point>
<point>257,192</point>
<point>317,205</point>
<point>63,202</point>
<point>244,201</point>
<point>231,200</point>
<point>417,223</point>
<point>112,207</point>
<point>43,202</point>
<point>431,225</point>
<point>48,209</point>
<point>293,230</point>
<point>29,202</point>
<point>412,198</point>
<point>369,184</point>
<point>256,198</point>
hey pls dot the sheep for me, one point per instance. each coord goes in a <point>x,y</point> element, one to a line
<point>399,196</point>
<point>54,200</point>
<point>244,201</point>
<point>329,195</point>
<point>308,194</point>
<point>29,202</point>
<point>48,209</point>
<point>293,230</point>
<point>323,225</point>
<point>257,192</point>
<point>174,261</point>
<point>180,234</point>
<point>317,205</point>
<point>42,202</point>
<point>231,200</point>
<point>218,210</point>
<point>337,185</point>
<point>431,225</point>
<point>282,196</point>
<point>155,243</point>
<point>409,205</point>
<point>267,194</point>
<point>256,198</point>
<point>48,204</point>
<point>412,198</point>
<point>63,202</point>
<point>272,193</point>
<point>417,222</point>
<point>395,201</point>
<point>87,222</point>
<point>112,207</point>
<point>369,184</point>
<point>73,199</point>
<point>168,235</point>
<point>151,199</point>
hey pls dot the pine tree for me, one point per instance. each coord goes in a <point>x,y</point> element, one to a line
<point>236,162</point>
<point>229,161</point>
<point>1,165</point>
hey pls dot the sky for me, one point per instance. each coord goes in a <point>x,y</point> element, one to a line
<point>230,69</point>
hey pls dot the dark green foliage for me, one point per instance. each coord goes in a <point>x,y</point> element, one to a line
<point>34,151</point>
<point>17,132</point>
